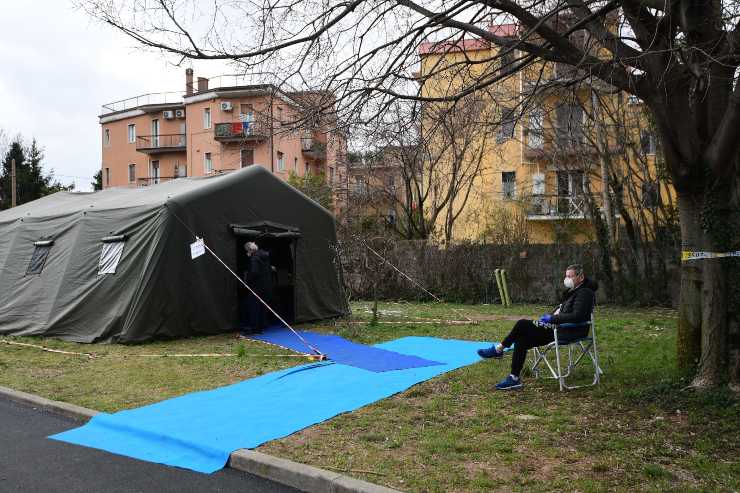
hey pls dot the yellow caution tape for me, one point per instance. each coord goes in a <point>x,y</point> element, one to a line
<point>687,255</point>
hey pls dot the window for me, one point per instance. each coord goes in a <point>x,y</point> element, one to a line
<point>508,184</point>
<point>650,194</point>
<point>331,174</point>
<point>206,117</point>
<point>107,177</point>
<point>154,172</point>
<point>506,125</point>
<point>111,254</point>
<point>246,112</point>
<point>246,157</point>
<point>38,259</point>
<point>181,170</point>
<point>506,59</point>
<point>538,184</point>
<point>360,185</point>
<point>647,142</point>
<point>569,128</point>
<point>280,161</point>
<point>207,163</point>
<point>155,133</point>
<point>131,133</point>
<point>535,131</point>
<point>106,137</point>
<point>131,173</point>
<point>279,116</point>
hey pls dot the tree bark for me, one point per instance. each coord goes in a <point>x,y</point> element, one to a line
<point>690,306</point>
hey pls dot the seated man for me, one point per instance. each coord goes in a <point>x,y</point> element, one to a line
<point>576,307</point>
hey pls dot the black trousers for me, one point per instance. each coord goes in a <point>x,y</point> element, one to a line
<point>527,335</point>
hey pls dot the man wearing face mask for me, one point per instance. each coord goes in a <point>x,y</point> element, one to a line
<point>577,304</point>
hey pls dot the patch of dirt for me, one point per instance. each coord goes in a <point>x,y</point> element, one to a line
<point>482,318</point>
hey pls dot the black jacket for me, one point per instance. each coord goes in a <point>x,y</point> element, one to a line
<point>577,304</point>
<point>258,274</point>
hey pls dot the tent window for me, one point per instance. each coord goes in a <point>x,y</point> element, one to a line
<point>111,254</point>
<point>38,259</point>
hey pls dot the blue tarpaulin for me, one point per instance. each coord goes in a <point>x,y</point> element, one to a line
<point>342,351</point>
<point>198,431</point>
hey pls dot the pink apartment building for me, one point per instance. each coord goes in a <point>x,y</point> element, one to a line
<point>216,126</point>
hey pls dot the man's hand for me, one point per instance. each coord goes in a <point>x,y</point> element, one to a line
<point>546,318</point>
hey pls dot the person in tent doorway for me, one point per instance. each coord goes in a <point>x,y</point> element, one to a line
<point>258,276</point>
<point>577,304</point>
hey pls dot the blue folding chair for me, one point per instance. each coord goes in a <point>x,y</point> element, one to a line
<point>581,346</point>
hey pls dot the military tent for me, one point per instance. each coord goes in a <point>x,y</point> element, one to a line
<point>116,265</point>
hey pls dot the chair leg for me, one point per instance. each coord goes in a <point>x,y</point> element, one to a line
<point>557,359</point>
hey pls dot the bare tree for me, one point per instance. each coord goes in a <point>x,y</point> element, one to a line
<point>679,56</point>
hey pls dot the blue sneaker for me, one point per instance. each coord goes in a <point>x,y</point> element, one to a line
<point>509,383</point>
<point>490,352</point>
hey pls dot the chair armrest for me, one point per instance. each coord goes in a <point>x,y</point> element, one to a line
<point>574,325</point>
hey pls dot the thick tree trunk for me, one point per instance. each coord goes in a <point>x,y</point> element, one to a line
<point>713,363</point>
<point>690,304</point>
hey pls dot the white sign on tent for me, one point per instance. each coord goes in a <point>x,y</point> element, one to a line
<point>197,248</point>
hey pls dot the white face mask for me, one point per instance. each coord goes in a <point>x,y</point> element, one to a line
<point>568,282</point>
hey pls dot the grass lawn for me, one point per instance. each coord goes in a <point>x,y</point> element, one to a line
<point>637,431</point>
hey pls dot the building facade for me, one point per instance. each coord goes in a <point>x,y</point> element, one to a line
<point>218,125</point>
<point>549,153</point>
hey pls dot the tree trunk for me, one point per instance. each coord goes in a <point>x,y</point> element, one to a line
<point>690,304</point>
<point>713,363</point>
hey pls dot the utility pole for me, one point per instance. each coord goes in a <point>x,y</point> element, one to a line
<point>12,183</point>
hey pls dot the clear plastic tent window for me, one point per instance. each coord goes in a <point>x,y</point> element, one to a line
<point>38,259</point>
<point>109,257</point>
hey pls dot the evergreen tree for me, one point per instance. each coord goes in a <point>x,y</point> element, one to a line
<point>97,182</point>
<point>31,182</point>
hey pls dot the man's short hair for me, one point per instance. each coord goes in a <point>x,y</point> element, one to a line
<point>251,246</point>
<point>576,267</point>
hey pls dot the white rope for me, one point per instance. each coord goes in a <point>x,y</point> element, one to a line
<point>44,348</point>
<point>414,282</point>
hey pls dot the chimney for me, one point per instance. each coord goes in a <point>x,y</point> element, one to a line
<point>202,84</point>
<point>188,82</point>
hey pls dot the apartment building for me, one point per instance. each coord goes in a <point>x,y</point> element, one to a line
<point>218,125</point>
<point>542,160</point>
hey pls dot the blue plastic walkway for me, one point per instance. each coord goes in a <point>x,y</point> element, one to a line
<point>198,431</point>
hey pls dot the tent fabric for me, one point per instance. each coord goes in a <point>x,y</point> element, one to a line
<point>340,350</point>
<point>157,291</point>
<point>198,431</point>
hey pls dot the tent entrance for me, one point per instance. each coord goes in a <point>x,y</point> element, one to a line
<point>280,242</point>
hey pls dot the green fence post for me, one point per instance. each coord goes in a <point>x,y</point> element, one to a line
<point>505,284</point>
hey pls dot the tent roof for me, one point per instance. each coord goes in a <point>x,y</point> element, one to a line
<point>63,203</point>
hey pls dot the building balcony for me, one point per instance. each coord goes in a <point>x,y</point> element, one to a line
<point>156,144</point>
<point>241,131</point>
<point>555,207</point>
<point>313,149</point>
<point>153,180</point>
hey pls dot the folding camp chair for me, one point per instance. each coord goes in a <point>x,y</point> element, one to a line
<point>581,346</point>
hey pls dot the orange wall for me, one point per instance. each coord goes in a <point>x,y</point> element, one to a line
<point>224,155</point>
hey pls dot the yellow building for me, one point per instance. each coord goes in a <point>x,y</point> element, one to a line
<point>544,152</point>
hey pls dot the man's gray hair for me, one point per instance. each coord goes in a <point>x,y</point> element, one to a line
<point>578,268</point>
<point>251,246</point>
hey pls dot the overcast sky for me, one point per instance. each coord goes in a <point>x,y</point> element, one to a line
<point>57,67</point>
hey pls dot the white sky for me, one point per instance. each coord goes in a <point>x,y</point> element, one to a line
<point>57,67</point>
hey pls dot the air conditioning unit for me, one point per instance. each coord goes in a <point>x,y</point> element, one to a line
<point>179,113</point>
<point>226,106</point>
<point>168,115</point>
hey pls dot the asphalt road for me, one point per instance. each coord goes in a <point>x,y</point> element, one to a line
<point>29,462</point>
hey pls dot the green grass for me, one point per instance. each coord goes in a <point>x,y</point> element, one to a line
<point>637,431</point>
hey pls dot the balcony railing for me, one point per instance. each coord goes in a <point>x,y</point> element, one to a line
<point>556,207</point>
<point>313,149</point>
<point>152,144</point>
<point>153,180</point>
<point>142,100</point>
<point>236,131</point>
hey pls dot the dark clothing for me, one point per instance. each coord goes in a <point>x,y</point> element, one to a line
<point>254,315</point>
<point>577,305</point>
<point>526,335</point>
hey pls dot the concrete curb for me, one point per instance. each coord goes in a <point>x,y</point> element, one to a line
<point>300,476</point>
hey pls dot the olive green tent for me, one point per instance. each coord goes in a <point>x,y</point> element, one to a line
<point>116,265</point>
